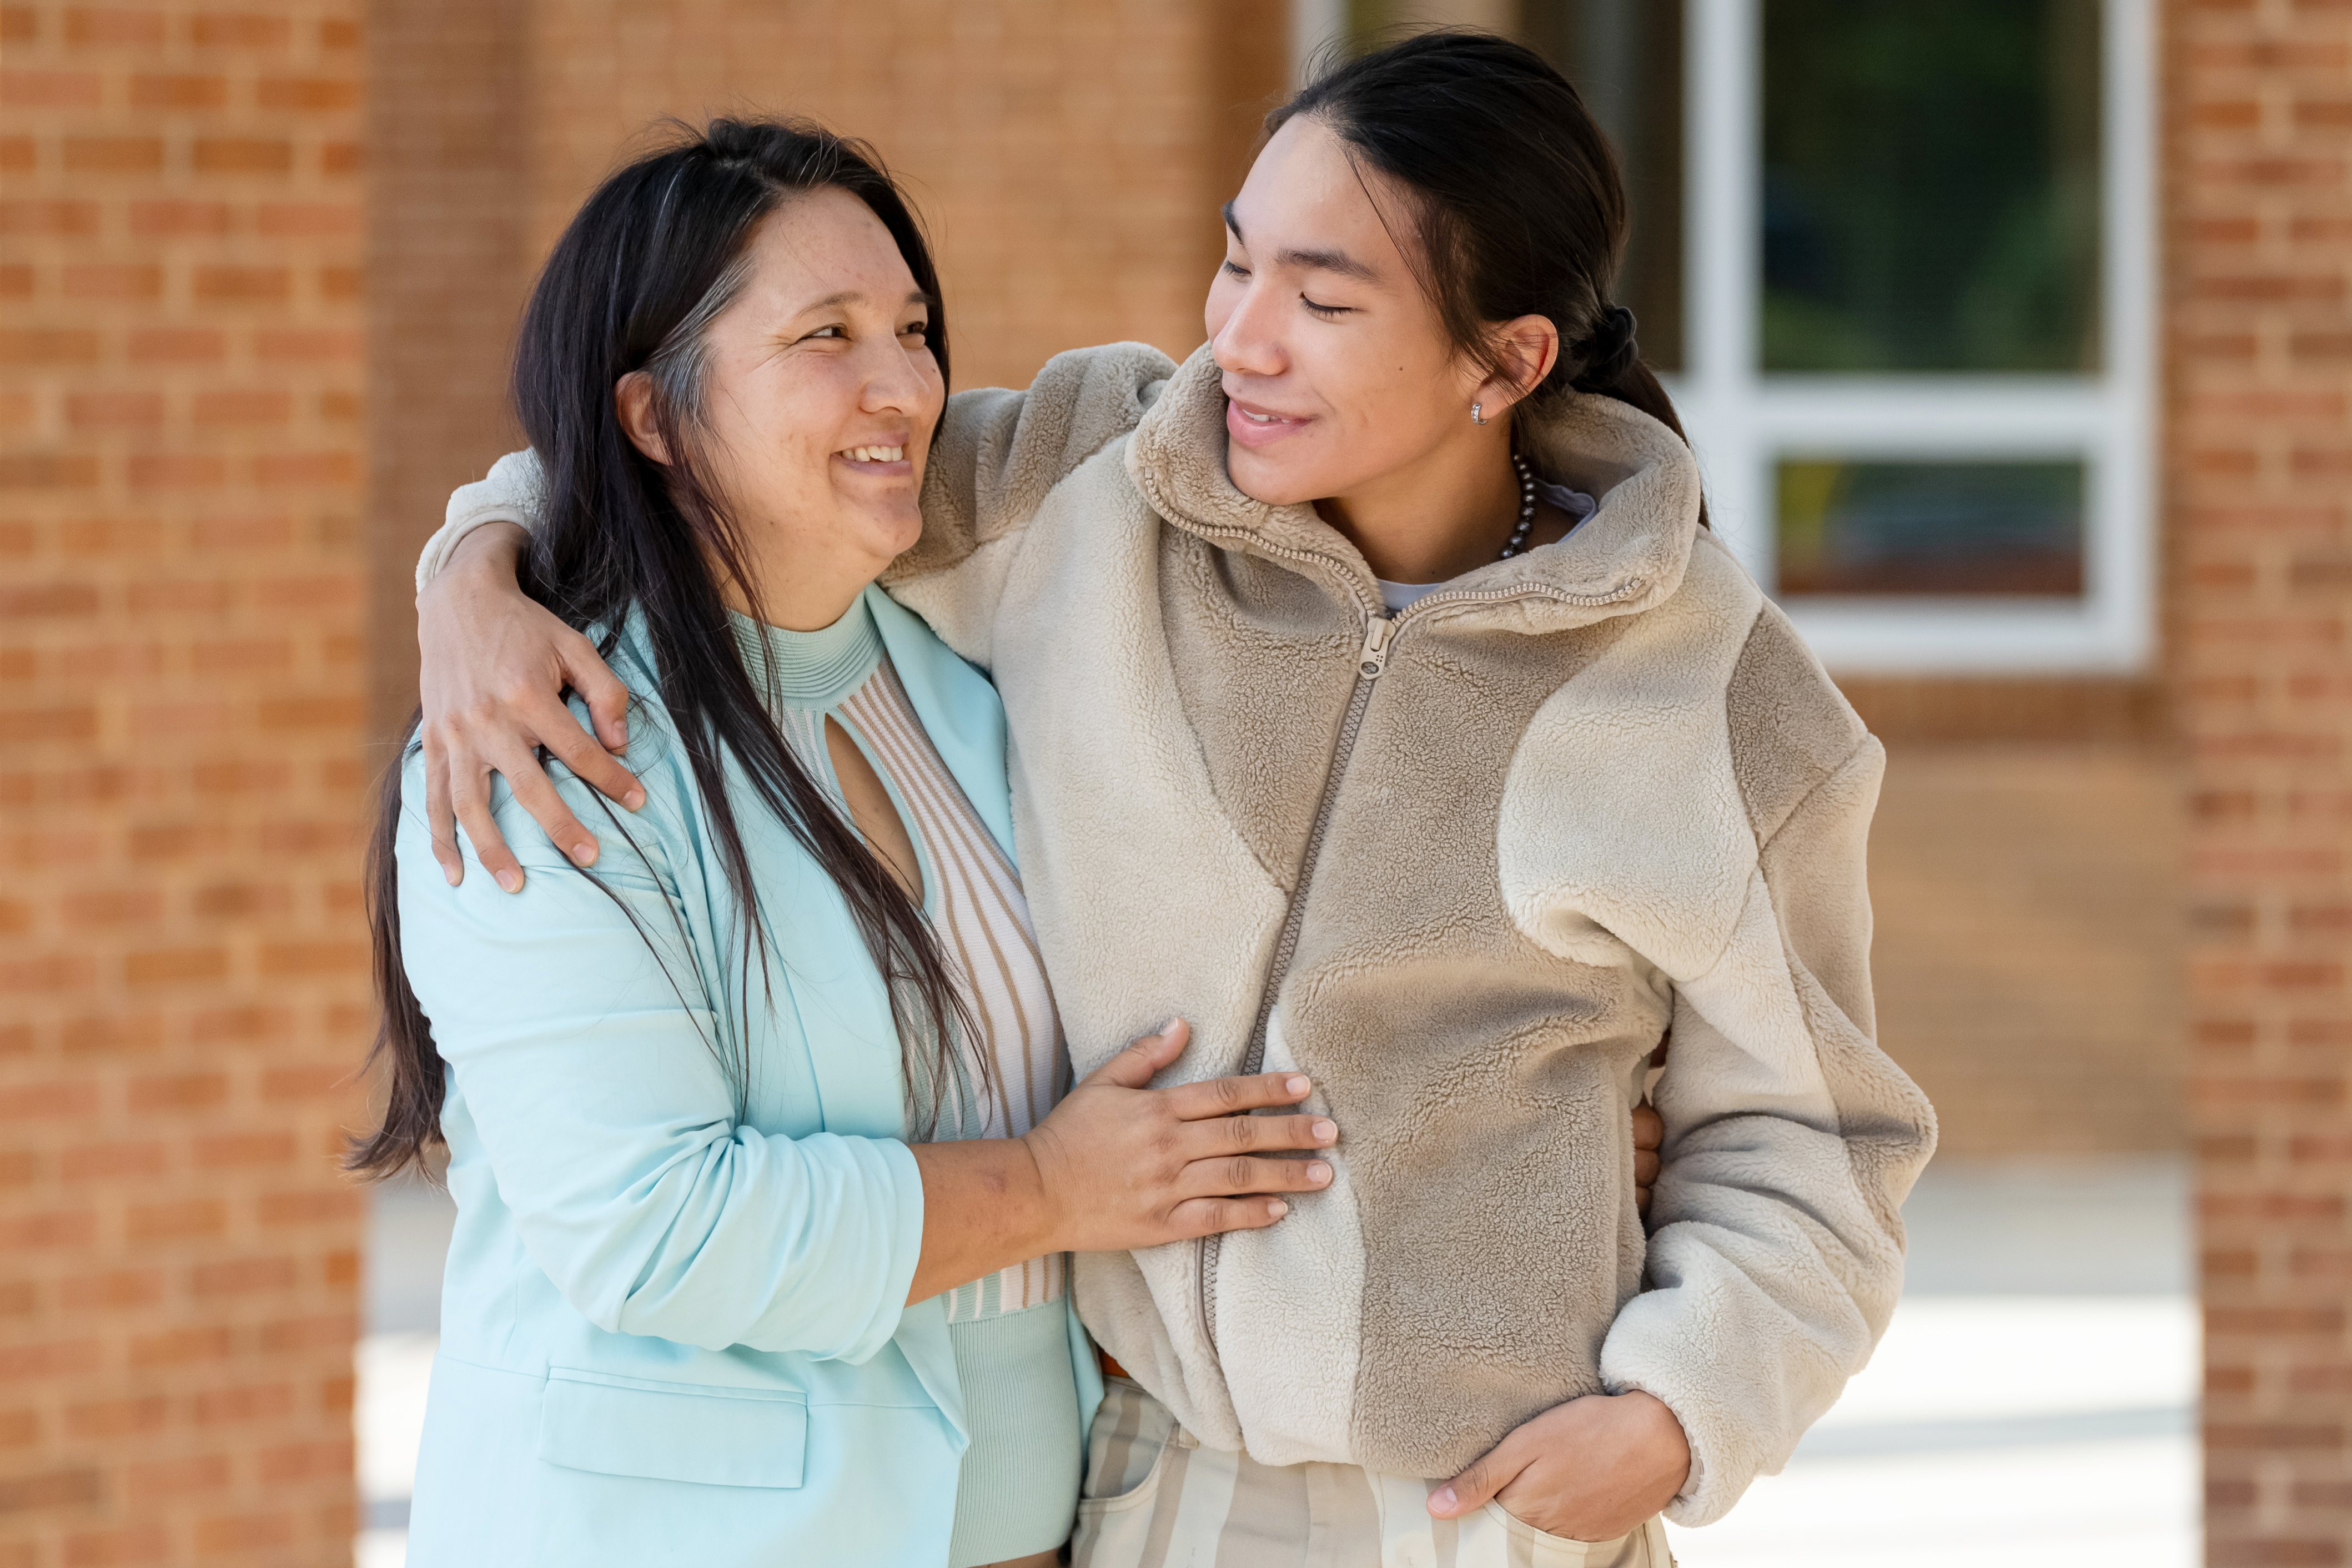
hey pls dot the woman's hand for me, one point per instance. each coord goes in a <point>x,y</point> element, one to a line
<point>1118,1165</point>
<point>493,670</point>
<point>1590,1469</point>
<point>1126,1165</point>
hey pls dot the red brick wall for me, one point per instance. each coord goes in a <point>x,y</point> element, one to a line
<point>180,986</point>
<point>2027,955</point>
<point>2259,458</point>
<point>1068,157</point>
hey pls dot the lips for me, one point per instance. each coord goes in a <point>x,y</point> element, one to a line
<point>1255,425</point>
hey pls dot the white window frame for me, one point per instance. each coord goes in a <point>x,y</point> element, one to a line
<point>1313,23</point>
<point>1743,421</point>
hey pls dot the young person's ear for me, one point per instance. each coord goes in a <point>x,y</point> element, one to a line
<point>632,401</point>
<point>1530,347</point>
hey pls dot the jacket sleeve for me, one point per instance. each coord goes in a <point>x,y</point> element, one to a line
<point>514,490</point>
<point>1792,1141</point>
<point>578,1037</point>
<point>996,455</point>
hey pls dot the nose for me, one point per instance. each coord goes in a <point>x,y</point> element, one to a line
<point>895,380</point>
<point>1250,340</point>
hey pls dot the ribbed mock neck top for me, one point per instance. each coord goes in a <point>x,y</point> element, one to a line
<point>1018,1486</point>
<point>815,671</point>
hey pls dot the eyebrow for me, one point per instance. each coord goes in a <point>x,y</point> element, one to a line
<point>851,297</point>
<point>1338,261</point>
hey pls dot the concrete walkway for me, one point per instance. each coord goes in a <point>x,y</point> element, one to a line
<point>2035,1403</point>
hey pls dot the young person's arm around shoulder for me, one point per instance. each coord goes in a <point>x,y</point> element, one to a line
<point>574,1027</point>
<point>997,455</point>
<point>494,664</point>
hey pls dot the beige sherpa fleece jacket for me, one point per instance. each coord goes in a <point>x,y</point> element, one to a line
<point>1465,866</point>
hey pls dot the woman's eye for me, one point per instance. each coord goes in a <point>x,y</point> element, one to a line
<point>833,331</point>
<point>1326,311</point>
<point>1235,268</point>
<point>915,330</point>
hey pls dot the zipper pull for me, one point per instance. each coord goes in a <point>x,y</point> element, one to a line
<point>1375,657</point>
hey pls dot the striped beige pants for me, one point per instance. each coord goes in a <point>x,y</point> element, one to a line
<point>1155,1499</point>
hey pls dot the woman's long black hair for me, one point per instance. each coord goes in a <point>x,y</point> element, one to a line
<point>656,254</point>
<point>1519,205</point>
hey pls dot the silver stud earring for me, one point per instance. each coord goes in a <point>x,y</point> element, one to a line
<point>1476,417</point>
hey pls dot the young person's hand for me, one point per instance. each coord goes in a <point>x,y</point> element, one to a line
<point>494,666</point>
<point>1590,1469</point>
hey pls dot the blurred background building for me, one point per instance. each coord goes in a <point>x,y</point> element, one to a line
<point>2012,337</point>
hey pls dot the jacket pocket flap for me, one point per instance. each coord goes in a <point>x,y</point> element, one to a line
<point>673,1431</point>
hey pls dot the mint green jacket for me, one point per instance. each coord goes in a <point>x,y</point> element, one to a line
<point>671,1333</point>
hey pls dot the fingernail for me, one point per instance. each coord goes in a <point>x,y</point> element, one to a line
<point>1443,1498</point>
<point>511,881</point>
<point>1325,1132</point>
<point>1297,1086</point>
<point>1165,1027</point>
<point>1278,1209</point>
<point>620,734</point>
<point>451,874</point>
<point>635,800</point>
<point>583,854</point>
<point>1318,1173</point>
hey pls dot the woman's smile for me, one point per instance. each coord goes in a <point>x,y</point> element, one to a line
<point>1254,426</point>
<point>889,462</point>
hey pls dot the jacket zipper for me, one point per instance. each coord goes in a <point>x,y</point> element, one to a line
<point>1379,634</point>
<point>1379,638</point>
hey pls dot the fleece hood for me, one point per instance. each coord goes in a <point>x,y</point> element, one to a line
<point>1628,557</point>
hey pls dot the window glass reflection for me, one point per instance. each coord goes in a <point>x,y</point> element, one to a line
<point>1625,58</point>
<point>1931,185</point>
<point>1931,528</point>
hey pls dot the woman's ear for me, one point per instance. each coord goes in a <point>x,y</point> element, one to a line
<point>1530,347</point>
<point>632,402</point>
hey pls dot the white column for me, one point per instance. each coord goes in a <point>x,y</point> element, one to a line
<point>1723,68</point>
<point>1313,23</point>
<point>2123,533</point>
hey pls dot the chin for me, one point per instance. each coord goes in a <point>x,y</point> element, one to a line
<point>892,532</point>
<point>1272,483</point>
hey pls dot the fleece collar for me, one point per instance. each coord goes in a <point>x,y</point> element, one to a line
<point>1629,556</point>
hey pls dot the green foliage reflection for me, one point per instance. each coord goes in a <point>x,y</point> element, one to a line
<point>1931,185</point>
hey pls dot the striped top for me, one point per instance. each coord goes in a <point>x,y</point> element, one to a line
<point>1003,1083</point>
<point>1018,1484</point>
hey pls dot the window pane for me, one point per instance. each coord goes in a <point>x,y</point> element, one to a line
<point>1931,185</point>
<point>1625,58</point>
<point>1931,528</point>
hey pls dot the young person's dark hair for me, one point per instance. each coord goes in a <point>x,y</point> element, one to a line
<point>658,251</point>
<point>1519,208</point>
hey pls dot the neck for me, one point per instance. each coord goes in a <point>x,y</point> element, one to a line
<point>798,596</point>
<point>1434,518</point>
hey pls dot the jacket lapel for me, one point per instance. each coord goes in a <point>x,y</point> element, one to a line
<point>959,710</point>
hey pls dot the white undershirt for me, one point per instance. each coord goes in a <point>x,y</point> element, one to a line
<point>1402,597</point>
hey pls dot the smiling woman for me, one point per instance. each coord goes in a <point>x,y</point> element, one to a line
<point>1378,697</point>
<point>764,1190</point>
<point>836,495</point>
